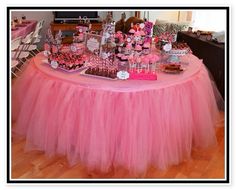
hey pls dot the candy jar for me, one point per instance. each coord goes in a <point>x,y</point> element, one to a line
<point>138,63</point>
<point>153,63</point>
<point>123,63</point>
<point>131,63</point>
<point>145,64</point>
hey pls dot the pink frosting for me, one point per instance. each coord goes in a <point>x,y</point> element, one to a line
<point>142,33</point>
<point>146,45</point>
<point>124,57</point>
<point>138,47</point>
<point>129,46</point>
<point>137,33</point>
<point>119,55</point>
<point>132,31</point>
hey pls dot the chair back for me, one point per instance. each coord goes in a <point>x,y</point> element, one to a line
<point>38,29</point>
<point>36,32</point>
<point>15,43</point>
<point>28,39</point>
<point>39,25</point>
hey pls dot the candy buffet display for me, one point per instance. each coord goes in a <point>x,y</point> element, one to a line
<point>113,55</point>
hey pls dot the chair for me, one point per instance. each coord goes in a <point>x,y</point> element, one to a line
<point>15,44</point>
<point>38,29</point>
<point>20,51</point>
<point>14,64</point>
<point>27,44</point>
<point>36,35</point>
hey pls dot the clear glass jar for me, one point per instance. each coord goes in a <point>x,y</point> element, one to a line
<point>123,64</point>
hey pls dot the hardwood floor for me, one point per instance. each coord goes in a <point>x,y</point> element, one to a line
<point>204,164</point>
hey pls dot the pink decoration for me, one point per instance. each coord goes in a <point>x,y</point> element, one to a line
<point>146,45</point>
<point>155,123</point>
<point>131,31</point>
<point>129,46</point>
<point>142,33</point>
<point>142,76</point>
<point>138,48</point>
<point>137,33</point>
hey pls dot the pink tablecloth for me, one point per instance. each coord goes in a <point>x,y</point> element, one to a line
<point>104,123</point>
<point>23,31</point>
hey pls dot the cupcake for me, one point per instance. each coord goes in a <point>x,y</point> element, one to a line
<point>119,55</point>
<point>146,48</point>
<point>138,48</point>
<point>128,49</point>
<point>131,31</point>
<point>142,33</point>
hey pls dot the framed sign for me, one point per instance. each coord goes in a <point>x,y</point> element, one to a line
<point>93,43</point>
<point>190,29</point>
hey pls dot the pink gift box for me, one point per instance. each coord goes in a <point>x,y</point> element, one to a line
<point>142,76</point>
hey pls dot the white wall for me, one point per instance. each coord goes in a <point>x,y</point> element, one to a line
<point>47,16</point>
<point>117,14</point>
<point>153,15</point>
<point>211,20</point>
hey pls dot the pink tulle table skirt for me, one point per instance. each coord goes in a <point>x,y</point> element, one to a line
<point>23,31</point>
<point>102,123</point>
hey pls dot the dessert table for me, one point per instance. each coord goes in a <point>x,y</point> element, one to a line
<point>112,123</point>
<point>23,29</point>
